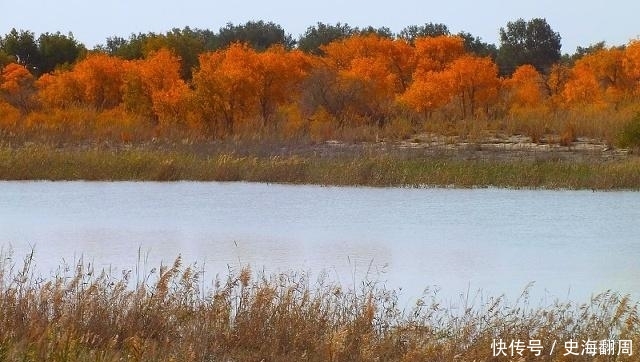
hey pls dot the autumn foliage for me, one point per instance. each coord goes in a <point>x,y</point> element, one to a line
<point>239,90</point>
<point>363,82</point>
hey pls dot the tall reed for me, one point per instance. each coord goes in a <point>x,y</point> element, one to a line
<point>170,314</point>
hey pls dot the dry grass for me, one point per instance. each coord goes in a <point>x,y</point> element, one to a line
<point>83,314</point>
<point>338,165</point>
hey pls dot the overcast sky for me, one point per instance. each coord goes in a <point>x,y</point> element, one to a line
<point>578,22</point>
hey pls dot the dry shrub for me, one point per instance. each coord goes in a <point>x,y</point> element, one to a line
<point>398,128</point>
<point>363,133</point>
<point>293,121</point>
<point>568,134</point>
<point>630,135</point>
<point>441,127</point>
<point>62,124</point>
<point>598,123</point>
<point>473,130</point>
<point>117,124</point>
<point>9,116</point>
<point>533,122</point>
<point>321,126</point>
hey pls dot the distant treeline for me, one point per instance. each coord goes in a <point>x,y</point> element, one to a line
<point>334,81</point>
<point>50,50</point>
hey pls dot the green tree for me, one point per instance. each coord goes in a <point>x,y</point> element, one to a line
<point>129,49</point>
<point>23,46</point>
<point>581,52</point>
<point>41,55</point>
<point>410,33</point>
<point>476,46</point>
<point>258,34</point>
<point>186,43</point>
<point>322,34</point>
<point>382,32</point>
<point>5,58</point>
<point>533,42</point>
<point>57,49</point>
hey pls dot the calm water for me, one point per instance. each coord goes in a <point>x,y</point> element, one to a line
<point>571,244</point>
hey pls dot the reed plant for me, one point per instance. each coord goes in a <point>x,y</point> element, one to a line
<point>173,314</point>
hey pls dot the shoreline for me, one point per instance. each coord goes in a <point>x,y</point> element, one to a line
<point>328,164</point>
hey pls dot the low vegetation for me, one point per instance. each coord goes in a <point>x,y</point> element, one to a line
<point>630,135</point>
<point>171,313</point>
<point>322,165</point>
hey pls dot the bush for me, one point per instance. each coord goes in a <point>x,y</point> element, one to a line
<point>398,128</point>
<point>9,116</point>
<point>630,135</point>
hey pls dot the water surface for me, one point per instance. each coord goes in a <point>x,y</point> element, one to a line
<point>570,243</point>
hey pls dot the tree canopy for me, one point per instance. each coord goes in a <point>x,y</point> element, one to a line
<point>315,37</point>
<point>58,49</point>
<point>321,34</point>
<point>41,55</point>
<point>411,32</point>
<point>23,47</point>
<point>531,42</point>
<point>187,83</point>
<point>259,35</point>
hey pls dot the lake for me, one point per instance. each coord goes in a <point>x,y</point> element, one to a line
<point>571,244</point>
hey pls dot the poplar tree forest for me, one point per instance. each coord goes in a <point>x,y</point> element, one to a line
<point>254,81</point>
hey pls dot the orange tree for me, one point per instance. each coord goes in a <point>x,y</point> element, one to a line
<point>239,89</point>
<point>475,83</point>
<point>278,74</point>
<point>101,78</point>
<point>362,75</point>
<point>17,86</point>
<point>153,88</point>
<point>525,88</point>
<point>631,63</point>
<point>431,87</point>
<point>225,87</point>
<point>445,74</point>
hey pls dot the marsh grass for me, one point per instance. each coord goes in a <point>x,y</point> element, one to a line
<point>172,314</point>
<point>39,162</point>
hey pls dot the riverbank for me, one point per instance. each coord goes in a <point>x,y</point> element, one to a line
<point>171,313</point>
<point>406,164</point>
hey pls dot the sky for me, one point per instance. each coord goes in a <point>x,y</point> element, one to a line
<point>580,23</point>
